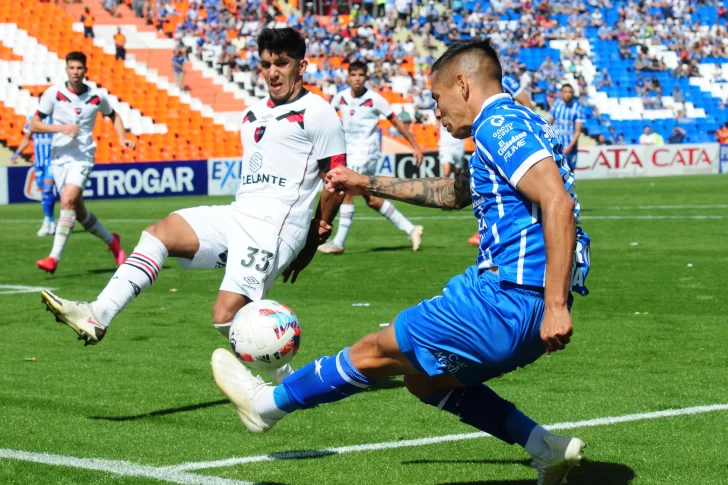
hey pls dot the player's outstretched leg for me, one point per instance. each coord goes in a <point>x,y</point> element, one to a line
<point>346,216</point>
<point>112,240</point>
<point>327,379</point>
<point>553,455</point>
<point>387,209</point>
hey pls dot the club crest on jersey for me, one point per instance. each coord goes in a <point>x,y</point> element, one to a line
<point>259,132</point>
<point>78,111</point>
<point>351,112</point>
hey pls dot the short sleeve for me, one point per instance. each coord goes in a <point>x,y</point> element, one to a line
<point>337,101</point>
<point>382,107</point>
<point>326,133</point>
<point>105,106</point>
<point>512,146</point>
<point>580,114</point>
<point>47,102</point>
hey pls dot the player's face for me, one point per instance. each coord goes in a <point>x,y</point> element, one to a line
<point>452,108</point>
<point>356,80</point>
<point>283,74</point>
<point>76,71</point>
<point>567,94</point>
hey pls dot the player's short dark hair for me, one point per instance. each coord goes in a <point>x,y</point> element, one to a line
<point>358,66</point>
<point>282,41</point>
<point>567,85</point>
<point>76,56</point>
<point>478,44</point>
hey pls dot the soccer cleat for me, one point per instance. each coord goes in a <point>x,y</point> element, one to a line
<point>416,237</point>
<point>47,229</point>
<point>115,248</point>
<point>474,239</point>
<point>242,388</point>
<point>330,248</point>
<point>48,264</point>
<point>77,315</point>
<point>566,453</point>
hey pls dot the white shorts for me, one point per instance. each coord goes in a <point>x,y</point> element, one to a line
<point>363,163</point>
<point>452,156</point>
<point>249,248</point>
<point>71,172</point>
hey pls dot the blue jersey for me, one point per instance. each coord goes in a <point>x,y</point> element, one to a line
<point>511,85</point>
<point>565,117</point>
<point>41,144</point>
<point>509,140</point>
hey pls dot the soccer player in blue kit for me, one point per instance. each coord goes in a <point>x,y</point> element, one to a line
<point>502,313</point>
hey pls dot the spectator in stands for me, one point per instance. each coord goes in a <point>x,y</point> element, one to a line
<point>677,95</point>
<point>677,137</point>
<point>112,6</point>
<point>602,140</point>
<point>404,11</point>
<point>721,135</point>
<point>639,85</point>
<point>648,137</point>
<point>88,23</point>
<point>226,60</point>
<point>120,43</point>
<point>178,65</point>
<point>603,80</point>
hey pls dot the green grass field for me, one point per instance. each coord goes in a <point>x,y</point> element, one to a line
<point>651,336</point>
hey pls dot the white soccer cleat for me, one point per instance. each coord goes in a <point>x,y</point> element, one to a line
<point>566,453</point>
<point>75,314</point>
<point>416,237</point>
<point>281,373</point>
<point>47,229</point>
<point>242,388</point>
<point>330,248</point>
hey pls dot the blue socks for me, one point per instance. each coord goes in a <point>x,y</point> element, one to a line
<point>325,380</point>
<point>49,200</point>
<point>480,407</point>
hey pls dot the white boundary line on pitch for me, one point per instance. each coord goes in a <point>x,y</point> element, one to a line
<point>118,467</point>
<point>443,439</point>
<point>441,217</point>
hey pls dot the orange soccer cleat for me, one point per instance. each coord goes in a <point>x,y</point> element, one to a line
<point>48,264</point>
<point>474,239</point>
<point>115,248</point>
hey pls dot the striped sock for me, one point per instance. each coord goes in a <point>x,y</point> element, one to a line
<point>137,274</point>
<point>346,215</point>
<point>63,232</point>
<point>395,217</point>
<point>94,226</point>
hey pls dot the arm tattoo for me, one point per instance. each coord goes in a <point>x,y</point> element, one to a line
<point>440,192</point>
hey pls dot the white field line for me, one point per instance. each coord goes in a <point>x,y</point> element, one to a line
<point>444,439</point>
<point>15,289</point>
<point>433,218</point>
<point>118,467</point>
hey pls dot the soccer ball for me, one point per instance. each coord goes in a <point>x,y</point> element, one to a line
<point>265,335</point>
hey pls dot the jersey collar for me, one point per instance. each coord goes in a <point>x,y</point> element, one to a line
<point>490,102</point>
<point>68,88</point>
<point>303,93</point>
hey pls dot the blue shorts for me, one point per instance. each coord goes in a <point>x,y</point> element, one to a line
<point>478,329</point>
<point>571,158</point>
<point>42,174</point>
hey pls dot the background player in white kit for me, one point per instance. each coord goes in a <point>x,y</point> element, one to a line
<point>360,110</point>
<point>452,153</point>
<point>74,106</point>
<point>290,141</point>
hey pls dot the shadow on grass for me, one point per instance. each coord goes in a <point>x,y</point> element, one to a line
<point>589,473</point>
<point>163,412</point>
<point>384,249</point>
<point>384,384</point>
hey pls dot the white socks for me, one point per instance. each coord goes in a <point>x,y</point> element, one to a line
<point>224,328</point>
<point>134,276</point>
<point>92,225</point>
<point>346,214</point>
<point>266,405</point>
<point>395,217</point>
<point>63,232</point>
<point>536,446</point>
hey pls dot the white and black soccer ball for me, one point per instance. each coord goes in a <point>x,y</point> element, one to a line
<point>265,335</point>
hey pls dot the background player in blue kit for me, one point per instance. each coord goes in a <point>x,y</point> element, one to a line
<point>501,314</point>
<point>567,116</point>
<point>43,172</point>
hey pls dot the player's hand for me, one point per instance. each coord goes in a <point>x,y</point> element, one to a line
<point>13,158</point>
<point>419,156</point>
<point>346,181</point>
<point>556,329</point>
<point>130,144</point>
<point>568,149</point>
<point>70,130</point>
<point>324,230</point>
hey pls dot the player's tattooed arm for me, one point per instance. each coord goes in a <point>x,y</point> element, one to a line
<point>445,193</point>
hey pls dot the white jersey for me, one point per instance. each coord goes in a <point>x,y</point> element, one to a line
<point>449,142</point>
<point>360,116</point>
<point>67,107</point>
<point>285,150</point>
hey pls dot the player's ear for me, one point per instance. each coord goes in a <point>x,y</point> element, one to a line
<point>462,82</point>
<point>302,66</point>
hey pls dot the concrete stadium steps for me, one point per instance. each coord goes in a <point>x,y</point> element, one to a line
<point>102,17</point>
